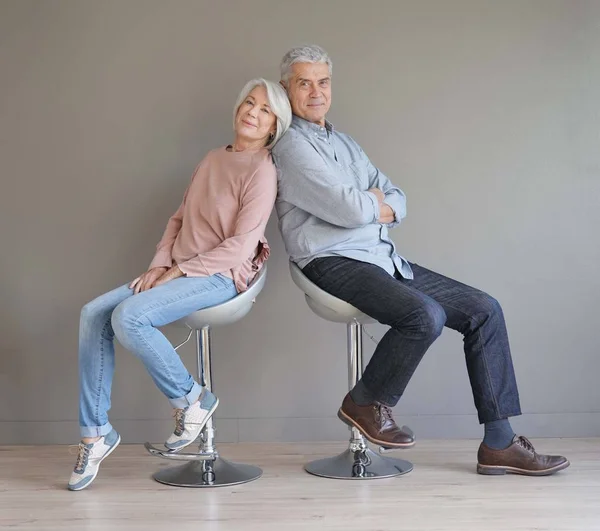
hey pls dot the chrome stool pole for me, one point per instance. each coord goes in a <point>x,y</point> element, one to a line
<point>358,461</point>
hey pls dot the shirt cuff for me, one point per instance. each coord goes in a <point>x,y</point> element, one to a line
<point>391,201</point>
<point>376,210</point>
<point>161,259</point>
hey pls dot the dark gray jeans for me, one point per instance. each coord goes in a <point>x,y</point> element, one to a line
<point>417,311</point>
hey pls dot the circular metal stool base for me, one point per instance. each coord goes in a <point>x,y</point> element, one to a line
<point>363,464</point>
<point>217,473</point>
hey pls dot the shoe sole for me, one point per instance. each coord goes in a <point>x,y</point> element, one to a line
<point>493,470</point>
<point>210,414</point>
<point>384,444</point>
<point>110,451</point>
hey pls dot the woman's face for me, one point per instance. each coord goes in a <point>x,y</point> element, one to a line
<point>255,120</point>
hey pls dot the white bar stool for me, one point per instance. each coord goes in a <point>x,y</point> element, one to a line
<point>358,461</point>
<point>206,468</point>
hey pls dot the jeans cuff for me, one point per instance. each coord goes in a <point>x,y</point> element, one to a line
<point>187,400</point>
<point>95,431</point>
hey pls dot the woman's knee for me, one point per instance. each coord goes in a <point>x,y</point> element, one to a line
<point>99,310</point>
<point>125,322</point>
<point>88,312</point>
<point>94,312</point>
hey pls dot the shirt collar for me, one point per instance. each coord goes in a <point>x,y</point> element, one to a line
<point>310,127</point>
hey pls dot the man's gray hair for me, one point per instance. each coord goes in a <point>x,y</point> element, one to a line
<point>278,101</point>
<point>303,54</point>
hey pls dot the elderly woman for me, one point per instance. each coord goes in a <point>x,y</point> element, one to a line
<point>211,249</point>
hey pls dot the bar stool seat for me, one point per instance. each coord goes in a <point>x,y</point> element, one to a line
<point>358,461</point>
<point>206,468</point>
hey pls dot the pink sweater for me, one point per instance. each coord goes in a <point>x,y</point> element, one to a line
<point>220,225</point>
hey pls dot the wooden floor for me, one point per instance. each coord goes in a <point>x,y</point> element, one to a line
<point>441,493</point>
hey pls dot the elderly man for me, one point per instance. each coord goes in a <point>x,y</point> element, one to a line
<point>335,209</point>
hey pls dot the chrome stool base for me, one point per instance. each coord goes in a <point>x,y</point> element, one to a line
<point>360,464</point>
<point>217,473</point>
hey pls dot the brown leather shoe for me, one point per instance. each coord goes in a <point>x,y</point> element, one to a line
<point>519,458</point>
<point>375,422</point>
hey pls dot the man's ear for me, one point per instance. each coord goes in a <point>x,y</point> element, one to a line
<point>282,83</point>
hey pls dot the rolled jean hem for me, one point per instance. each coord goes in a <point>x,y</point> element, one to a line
<point>189,399</point>
<point>95,431</point>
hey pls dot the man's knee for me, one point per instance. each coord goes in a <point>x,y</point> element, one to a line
<point>425,322</point>
<point>434,319</point>
<point>485,308</point>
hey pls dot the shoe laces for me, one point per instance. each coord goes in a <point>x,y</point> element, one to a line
<point>179,415</point>
<point>83,454</point>
<point>384,413</point>
<point>525,443</point>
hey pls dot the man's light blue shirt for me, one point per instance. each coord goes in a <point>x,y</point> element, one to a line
<point>323,205</point>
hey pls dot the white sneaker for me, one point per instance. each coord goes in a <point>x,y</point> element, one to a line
<point>190,421</point>
<point>89,458</point>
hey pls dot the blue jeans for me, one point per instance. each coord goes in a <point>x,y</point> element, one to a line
<point>134,319</point>
<point>417,311</point>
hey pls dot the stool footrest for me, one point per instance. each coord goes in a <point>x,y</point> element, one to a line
<point>180,456</point>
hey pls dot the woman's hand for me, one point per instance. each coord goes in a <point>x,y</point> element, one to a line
<point>171,274</point>
<point>148,279</point>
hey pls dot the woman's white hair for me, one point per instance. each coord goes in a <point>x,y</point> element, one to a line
<point>304,54</point>
<point>278,101</point>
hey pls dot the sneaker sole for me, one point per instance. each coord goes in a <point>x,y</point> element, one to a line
<point>384,444</point>
<point>210,414</point>
<point>493,470</point>
<point>110,451</point>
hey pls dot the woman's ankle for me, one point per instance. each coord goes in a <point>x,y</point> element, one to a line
<point>90,440</point>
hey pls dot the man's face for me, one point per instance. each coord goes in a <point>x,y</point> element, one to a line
<point>309,90</point>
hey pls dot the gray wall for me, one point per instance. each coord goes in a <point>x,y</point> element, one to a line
<point>485,113</point>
